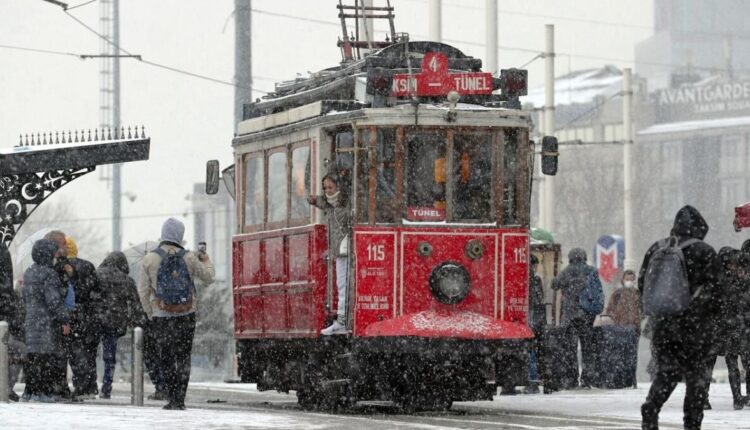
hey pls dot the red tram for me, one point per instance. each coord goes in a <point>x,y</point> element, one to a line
<point>439,172</point>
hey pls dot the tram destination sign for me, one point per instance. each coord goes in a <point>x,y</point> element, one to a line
<point>436,80</point>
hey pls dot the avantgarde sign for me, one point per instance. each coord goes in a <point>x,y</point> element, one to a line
<point>728,96</point>
<point>435,80</point>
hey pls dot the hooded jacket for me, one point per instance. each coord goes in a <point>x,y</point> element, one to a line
<point>45,313</point>
<point>121,306</point>
<point>338,220</point>
<point>571,282</point>
<point>11,308</point>
<point>694,329</point>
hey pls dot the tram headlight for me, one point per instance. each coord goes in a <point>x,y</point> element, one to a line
<point>450,283</point>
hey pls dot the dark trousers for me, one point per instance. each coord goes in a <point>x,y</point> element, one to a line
<point>174,342</point>
<point>582,329</point>
<point>82,359</point>
<point>40,371</point>
<point>672,366</point>
<point>151,358</point>
<point>109,357</point>
<point>59,369</point>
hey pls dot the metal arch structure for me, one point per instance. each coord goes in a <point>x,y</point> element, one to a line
<point>43,163</point>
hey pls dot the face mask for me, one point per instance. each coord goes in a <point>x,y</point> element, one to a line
<point>629,284</point>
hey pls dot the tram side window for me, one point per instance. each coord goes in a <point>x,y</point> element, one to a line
<point>472,172</point>
<point>254,201</point>
<point>300,182</point>
<point>510,177</point>
<point>425,176</point>
<point>277,187</point>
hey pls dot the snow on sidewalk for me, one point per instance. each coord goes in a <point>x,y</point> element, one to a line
<point>592,403</point>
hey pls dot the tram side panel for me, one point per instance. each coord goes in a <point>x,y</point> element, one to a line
<point>279,283</point>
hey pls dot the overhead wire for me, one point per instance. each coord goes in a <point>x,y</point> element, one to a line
<point>162,66</point>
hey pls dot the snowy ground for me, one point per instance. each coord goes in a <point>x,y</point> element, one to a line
<point>246,408</point>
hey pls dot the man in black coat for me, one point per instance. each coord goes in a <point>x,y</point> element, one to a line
<point>11,311</point>
<point>578,323</point>
<point>86,324</point>
<point>682,343</point>
<point>537,321</point>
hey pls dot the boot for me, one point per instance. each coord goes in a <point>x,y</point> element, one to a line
<point>650,417</point>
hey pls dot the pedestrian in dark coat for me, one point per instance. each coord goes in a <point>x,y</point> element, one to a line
<point>46,321</point>
<point>682,343</point>
<point>729,321</point>
<point>64,271</point>
<point>121,308</point>
<point>85,322</point>
<point>577,322</point>
<point>537,321</point>
<point>11,311</point>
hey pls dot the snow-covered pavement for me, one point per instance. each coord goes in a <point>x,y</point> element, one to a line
<point>241,406</point>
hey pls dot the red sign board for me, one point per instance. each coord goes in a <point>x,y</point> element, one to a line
<point>435,80</point>
<point>425,213</point>
<point>375,278</point>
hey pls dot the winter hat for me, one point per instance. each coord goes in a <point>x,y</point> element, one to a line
<point>172,231</point>
<point>577,255</point>
<point>72,247</point>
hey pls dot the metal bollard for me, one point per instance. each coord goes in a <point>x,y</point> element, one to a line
<point>136,396</point>
<point>4,363</point>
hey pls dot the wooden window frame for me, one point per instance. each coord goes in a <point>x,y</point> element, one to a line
<point>259,226</point>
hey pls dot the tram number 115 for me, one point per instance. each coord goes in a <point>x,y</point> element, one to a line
<point>375,252</point>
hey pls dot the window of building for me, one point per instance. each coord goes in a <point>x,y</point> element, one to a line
<point>254,198</point>
<point>672,199</point>
<point>277,187</point>
<point>732,159</point>
<point>671,160</point>
<point>732,193</point>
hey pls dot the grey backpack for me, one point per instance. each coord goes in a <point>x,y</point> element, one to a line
<point>666,289</point>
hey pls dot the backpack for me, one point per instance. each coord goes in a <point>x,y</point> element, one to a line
<point>173,283</point>
<point>666,289</point>
<point>591,298</point>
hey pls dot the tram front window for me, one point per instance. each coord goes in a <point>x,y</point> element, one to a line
<point>425,177</point>
<point>472,173</point>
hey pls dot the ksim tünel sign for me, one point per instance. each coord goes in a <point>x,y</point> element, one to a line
<point>435,80</point>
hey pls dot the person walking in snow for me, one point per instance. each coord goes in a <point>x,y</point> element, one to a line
<point>167,294</point>
<point>682,342</point>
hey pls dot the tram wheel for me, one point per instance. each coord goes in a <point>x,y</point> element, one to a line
<point>413,401</point>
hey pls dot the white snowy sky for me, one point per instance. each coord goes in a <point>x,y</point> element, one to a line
<point>190,120</point>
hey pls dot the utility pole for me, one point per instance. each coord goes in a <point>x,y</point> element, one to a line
<point>109,100</point>
<point>491,26</point>
<point>435,29</point>
<point>627,154</point>
<point>548,209</point>
<point>243,65</point>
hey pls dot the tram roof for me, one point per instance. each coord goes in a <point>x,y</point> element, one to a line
<point>331,113</point>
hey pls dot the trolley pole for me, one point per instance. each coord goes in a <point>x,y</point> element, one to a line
<point>436,20</point>
<point>627,154</point>
<point>491,28</point>
<point>548,220</point>
<point>4,363</point>
<point>136,391</point>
